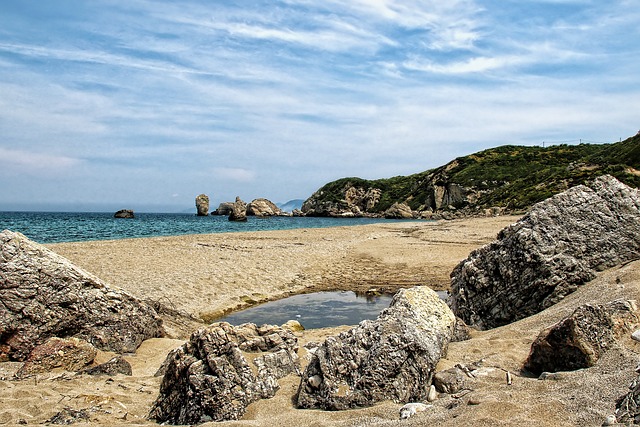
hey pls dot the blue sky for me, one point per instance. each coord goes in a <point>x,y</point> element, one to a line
<point>110,104</point>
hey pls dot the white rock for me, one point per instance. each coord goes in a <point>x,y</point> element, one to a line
<point>412,408</point>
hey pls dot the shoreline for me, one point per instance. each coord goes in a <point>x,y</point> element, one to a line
<point>209,275</point>
<point>356,256</point>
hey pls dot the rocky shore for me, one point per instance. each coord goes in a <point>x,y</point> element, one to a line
<point>414,365</point>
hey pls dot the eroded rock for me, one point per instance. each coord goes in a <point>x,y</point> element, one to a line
<point>390,358</point>
<point>211,378</point>
<point>579,340</point>
<point>202,205</point>
<point>70,354</point>
<point>546,255</point>
<point>43,295</point>
<point>238,211</point>
<point>263,207</point>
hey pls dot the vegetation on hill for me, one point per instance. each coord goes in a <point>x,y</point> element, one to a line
<point>513,177</point>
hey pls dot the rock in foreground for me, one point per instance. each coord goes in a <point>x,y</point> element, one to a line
<point>556,247</point>
<point>579,340</point>
<point>210,378</point>
<point>43,295</point>
<point>390,358</point>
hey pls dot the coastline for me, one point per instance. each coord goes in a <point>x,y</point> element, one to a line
<point>187,272</point>
<point>208,275</point>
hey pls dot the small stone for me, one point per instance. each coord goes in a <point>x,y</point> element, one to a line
<point>315,381</point>
<point>609,421</point>
<point>474,401</point>
<point>293,326</point>
<point>636,335</point>
<point>553,376</point>
<point>412,408</point>
<point>433,394</point>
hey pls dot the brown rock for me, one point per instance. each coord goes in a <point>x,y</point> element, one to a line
<point>239,211</point>
<point>70,354</point>
<point>202,205</point>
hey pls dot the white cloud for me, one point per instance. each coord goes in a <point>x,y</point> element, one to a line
<point>234,174</point>
<point>36,163</point>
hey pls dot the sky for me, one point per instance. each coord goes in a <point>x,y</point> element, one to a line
<point>143,105</point>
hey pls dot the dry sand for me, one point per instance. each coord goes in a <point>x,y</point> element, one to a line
<point>205,275</point>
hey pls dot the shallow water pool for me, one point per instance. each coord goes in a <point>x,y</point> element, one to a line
<point>315,310</point>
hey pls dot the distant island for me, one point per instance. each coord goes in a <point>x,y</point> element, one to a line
<point>509,178</point>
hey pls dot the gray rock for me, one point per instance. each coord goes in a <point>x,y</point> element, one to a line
<point>239,211</point>
<point>115,366</point>
<point>579,340</point>
<point>210,378</point>
<point>43,295</point>
<point>546,255</point>
<point>202,205</point>
<point>628,405</point>
<point>224,208</point>
<point>390,358</point>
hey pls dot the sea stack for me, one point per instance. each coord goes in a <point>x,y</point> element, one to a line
<point>124,213</point>
<point>202,205</point>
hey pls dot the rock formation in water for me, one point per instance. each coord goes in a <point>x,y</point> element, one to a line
<point>263,207</point>
<point>546,255</point>
<point>224,208</point>
<point>579,340</point>
<point>124,213</point>
<point>211,378</point>
<point>390,358</point>
<point>239,211</point>
<point>202,205</point>
<point>43,295</point>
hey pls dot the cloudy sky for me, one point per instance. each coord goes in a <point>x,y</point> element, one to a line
<point>109,104</point>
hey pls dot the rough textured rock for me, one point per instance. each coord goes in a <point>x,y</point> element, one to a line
<point>224,208</point>
<point>124,213</point>
<point>115,366</point>
<point>399,211</point>
<point>202,205</point>
<point>43,295</point>
<point>263,207</point>
<point>556,247</point>
<point>355,203</point>
<point>450,381</point>
<point>211,379</point>
<point>628,405</point>
<point>69,354</point>
<point>390,358</point>
<point>239,211</point>
<point>579,340</point>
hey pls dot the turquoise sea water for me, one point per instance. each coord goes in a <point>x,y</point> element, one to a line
<point>53,227</point>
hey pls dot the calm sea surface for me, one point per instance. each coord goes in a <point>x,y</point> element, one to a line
<point>53,227</point>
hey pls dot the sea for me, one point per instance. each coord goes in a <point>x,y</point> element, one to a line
<point>55,227</point>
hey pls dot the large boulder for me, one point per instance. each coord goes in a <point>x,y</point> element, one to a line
<point>70,354</point>
<point>399,211</point>
<point>224,208</point>
<point>263,207</point>
<point>239,211</point>
<point>546,255</point>
<point>202,205</point>
<point>43,295</point>
<point>390,358</point>
<point>579,340</point>
<point>211,378</point>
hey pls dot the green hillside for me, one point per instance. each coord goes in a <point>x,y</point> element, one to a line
<point>513,177</point>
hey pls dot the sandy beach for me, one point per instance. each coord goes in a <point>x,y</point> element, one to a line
<point>198,277</point>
